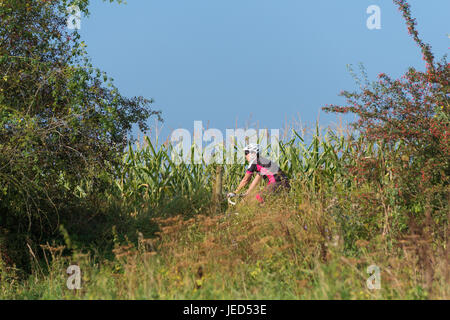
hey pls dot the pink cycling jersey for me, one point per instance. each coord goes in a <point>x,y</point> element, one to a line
<point>267,169</point>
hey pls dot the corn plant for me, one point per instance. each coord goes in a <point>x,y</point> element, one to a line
<point>150,176</point>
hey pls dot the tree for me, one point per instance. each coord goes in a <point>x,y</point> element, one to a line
<point>411,112</point>
<point>62,121</point>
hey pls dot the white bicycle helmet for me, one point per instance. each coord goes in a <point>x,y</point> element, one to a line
<point>252,148</point>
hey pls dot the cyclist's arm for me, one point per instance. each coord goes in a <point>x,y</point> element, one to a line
<point>254,184</point>
<point>244,182</point>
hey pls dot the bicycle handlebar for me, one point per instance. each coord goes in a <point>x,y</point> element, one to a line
<point>233,203</point>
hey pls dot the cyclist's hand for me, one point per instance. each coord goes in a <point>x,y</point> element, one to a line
<point>231,195</point>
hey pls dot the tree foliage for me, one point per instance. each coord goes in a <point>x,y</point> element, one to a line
<point>61,119</point>
<point>410,114</point>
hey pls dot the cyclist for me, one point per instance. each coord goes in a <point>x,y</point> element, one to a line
<point>267,169</point>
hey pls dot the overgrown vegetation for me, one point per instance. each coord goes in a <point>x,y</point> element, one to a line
<point>62,125</point>
<point>142,226</point>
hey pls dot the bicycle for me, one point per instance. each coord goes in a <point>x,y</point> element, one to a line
<point>232,195</point>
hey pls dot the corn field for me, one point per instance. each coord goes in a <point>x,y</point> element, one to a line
<point>152,177</point>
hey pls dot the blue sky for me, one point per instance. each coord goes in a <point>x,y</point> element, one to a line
<point>267,61</point>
